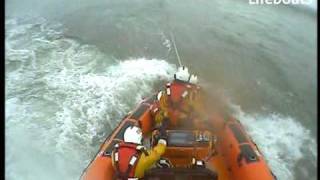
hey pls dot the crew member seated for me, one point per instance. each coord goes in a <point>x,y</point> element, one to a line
<point>130,159</point>
<point>179,102</point>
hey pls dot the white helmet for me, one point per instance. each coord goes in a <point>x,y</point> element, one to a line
<point>182,74</point>
<point>133,134</point>
<point>193,79</point>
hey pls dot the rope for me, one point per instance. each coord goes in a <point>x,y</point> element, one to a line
<point>175,49</point>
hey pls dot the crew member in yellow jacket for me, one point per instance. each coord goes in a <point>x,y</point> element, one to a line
<point>130,159</point>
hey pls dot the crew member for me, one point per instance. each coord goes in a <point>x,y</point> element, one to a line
<point>180,101</point>
<point>130,159</point>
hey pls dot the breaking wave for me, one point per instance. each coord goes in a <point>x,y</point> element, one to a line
<point>282,140</point>
<point>63,98</point>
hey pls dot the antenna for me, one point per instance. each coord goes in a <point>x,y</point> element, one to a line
<point>175,49</point>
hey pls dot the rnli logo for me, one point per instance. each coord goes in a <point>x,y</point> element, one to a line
<point>276,2</point>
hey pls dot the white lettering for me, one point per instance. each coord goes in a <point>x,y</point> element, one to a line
<point>268,2</point>
<point>286,1</point>
<point>280,1</point>
<point>277,1</point>
<point>253,2</point>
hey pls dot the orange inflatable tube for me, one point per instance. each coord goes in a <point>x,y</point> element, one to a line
<point>231,153</point>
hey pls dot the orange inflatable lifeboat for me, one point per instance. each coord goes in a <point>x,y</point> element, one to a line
<point>222,150</point>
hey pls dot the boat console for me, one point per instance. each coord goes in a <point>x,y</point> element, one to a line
<point>185,145</point>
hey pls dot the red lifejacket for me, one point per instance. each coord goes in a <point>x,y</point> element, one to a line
<point>125,157</point>
<point>178,92</point>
